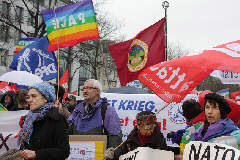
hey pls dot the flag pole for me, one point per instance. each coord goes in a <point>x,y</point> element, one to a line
<point>58,54</point>
<point>165,5</point>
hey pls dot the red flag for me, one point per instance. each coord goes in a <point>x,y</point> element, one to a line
<point>173,79</point>
<point>14,87</point>
<point>236,96</point>
<point>5,87</point>
<point>64,82</point>
<point>74,92</point>
<point>144,50</point>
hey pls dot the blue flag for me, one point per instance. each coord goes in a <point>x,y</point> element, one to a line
<point>37,60</point>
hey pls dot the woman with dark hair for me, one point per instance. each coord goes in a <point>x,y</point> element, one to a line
<point>217,128</point>
<point>44,132</point>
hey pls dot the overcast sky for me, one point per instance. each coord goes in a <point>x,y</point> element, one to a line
<point>195,24</point>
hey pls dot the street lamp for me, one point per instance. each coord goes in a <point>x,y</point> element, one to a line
<point>165,5</point>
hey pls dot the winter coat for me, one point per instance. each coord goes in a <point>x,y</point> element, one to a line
<point>223,131</point>
<point>92,123</point>
<point>50,139</point>
<point>155,141</point>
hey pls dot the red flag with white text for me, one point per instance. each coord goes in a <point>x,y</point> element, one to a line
<point>145,49</point>
<point>174,79</point>
<point>64,82</point>
<point>5,87</point>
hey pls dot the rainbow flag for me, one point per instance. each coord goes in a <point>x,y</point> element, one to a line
<point>74,23</point>
<point>23,42</point>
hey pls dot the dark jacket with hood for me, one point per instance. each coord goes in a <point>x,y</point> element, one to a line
<point>46,139</point>
<point>11,106</point>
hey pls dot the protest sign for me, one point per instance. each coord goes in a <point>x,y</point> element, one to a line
<point>87,147</point>
<point>196,150</point>
<point>143,153</point>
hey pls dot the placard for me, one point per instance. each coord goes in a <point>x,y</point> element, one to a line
<point>87,147</point>
<point>196,150</point>
<point>145,153</point>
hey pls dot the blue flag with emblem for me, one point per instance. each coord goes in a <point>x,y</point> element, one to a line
<point>37,60</point>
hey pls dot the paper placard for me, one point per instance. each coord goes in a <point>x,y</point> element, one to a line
<point>87,147</point>
<point>196,150</point>
<point>144,153</point>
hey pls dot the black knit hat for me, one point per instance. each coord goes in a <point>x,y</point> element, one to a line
<point>224,107</point>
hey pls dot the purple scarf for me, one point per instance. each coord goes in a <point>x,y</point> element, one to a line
<point>222,127</point>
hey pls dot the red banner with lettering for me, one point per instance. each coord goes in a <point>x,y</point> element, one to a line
<point>173,80</point>
<point>5,87</point>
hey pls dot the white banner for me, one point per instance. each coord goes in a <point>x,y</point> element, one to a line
<point>227,77</point>
<point>143,153</point>
<point>126,105</point>
<point>9,128</point>
<point>196,150</point>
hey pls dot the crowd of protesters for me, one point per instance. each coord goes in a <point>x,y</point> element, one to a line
<point>52,117</point>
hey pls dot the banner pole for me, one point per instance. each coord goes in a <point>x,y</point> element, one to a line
<point>55,17</point>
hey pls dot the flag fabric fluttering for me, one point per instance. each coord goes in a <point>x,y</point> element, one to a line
<point>74,23</point>
<point>236,96</point>
<point>64,83</point>
<point>145,49</point>
<point>23,42</point>
<point>37,60</point>
<point>74,93</point>
<point>173,80</point>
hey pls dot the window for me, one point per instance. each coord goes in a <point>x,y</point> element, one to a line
<point>3,57</point>
<point>19,14</point>
<point>5,9</point>
<point>4,29</point>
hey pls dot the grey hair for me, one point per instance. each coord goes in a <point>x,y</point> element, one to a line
<point>96,84</point>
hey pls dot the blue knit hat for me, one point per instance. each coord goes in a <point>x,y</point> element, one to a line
<point>46,90</point>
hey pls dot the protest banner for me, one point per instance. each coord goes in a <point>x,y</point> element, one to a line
<point>126,106</point>
<point>143,153</point>
<point>196,150</point>
<point>227,77</point>
<point>87,147</point>
<point>9,129</point>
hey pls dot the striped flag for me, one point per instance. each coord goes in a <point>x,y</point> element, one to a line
<point>23,42</point>
<point>74,23</point>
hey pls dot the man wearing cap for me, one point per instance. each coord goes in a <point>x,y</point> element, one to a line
<point>94,116</point>
<point>146,134</point>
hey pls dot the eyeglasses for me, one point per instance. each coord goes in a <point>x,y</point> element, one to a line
<point>88,88</point>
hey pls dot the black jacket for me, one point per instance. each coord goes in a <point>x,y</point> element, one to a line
<point>50,138</point>
<point>156,141</point>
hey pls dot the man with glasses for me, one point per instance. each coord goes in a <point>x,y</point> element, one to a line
<point>94,116</point>
<point>146,134</point>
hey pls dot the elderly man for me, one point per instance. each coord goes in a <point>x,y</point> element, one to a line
<point>94,116</point>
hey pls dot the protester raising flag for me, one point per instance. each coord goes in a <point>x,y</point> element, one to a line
<point>142,51</point>
<point>23,42</point>
<point>64,82</point>
<point>173,80</point>
<point>37,60</point>
<point>74,23</point>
